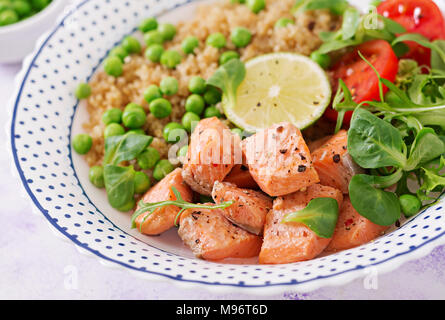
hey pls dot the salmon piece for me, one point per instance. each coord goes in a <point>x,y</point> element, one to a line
<point>352,229</point>
<point>333,163</point>
<point>293,242</point>
<point>249,210</point>
<point>212,237</point>
<point>212,154</point>
<point>162,219</point>
<point>279,160</point>
<point>241,177</point>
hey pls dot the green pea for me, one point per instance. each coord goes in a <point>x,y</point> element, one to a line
<point>238,1</point>
<point>216,40</point>
<point>227,56</point>
<point>241,37</point>
<point>153,37</point>
<point>161,108</point>
<point>256,5</point>
<point>133,106</point>
<point>96,176</point>
<point>195,103</point>
<point>21,7</point>
<point>171,58</point>
<point>174,132</point>
<point>136,131</point>
<point>189,120</point>
<point>148,24</point>
<point>134,119</point>
<point>323,60</point>
<point>131,44</point>
<point>169,86</point>
<point>83,91</point>
<point>113,66</point>
<point>82,143</point>
<point>197,85</point>
<point>283,22</point>
<point>212,96</point>
<point>148,158</point>
<point>168,31</point>
<point>152,93</point>
<point>119,52</point>
<point>238,131</point>
<point>113,129</point>
<point>129,206</point>
<point>113,115</point>
<point>141,182</point>
<point>154,52</point>
<point>410,204</point>
<point>182,153</point>
<point>162,169</point>
<point>190,44</point>
<point>39,4</point>
<point>211,112</point>
<point>8,17</point>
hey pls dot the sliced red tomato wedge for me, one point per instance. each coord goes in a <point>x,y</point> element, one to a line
<point>417,16</point>
<point>359,76</point>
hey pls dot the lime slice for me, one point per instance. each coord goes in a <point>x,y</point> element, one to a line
<point>280,87</point>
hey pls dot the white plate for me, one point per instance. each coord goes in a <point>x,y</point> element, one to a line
<point>44,116</point>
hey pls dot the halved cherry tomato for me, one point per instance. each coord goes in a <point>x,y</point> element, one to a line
<point>417,16</point>
<point>359,76</point>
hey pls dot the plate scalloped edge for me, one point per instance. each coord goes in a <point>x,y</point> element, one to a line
<point>338,280</point>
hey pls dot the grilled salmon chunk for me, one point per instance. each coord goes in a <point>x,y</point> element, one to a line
<point>279,160</point>
<point>249,210</point>
<point>163,218</point>
<point>352,229</point>
<point>212,154</point>
<point>333,163</point>
<point>212,237</point>
<point>293,242</point>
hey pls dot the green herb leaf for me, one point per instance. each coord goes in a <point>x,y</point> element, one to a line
<point>119,184</point>
<point>228,78</point>
<point>374,143</point>
<point>437,61</point>
<point>320,216</point>
<point>379,206</point>
<point>426,147</point>
<point>351,21</point>
<point>336,45</point>
<point>392,26</point>
<point>125,147</point>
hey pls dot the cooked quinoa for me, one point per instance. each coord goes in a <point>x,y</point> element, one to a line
<point>109,92</point>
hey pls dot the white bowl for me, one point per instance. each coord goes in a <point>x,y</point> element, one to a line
<point>19,39</point>
<point>45,115</point>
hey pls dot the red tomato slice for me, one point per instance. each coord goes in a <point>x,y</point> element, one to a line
<point>359,76</point>
<point>417,16</point>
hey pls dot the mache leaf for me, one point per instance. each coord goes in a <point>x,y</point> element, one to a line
<point>119,184</point>
<point>320,216</point>
<point>228,78</point>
